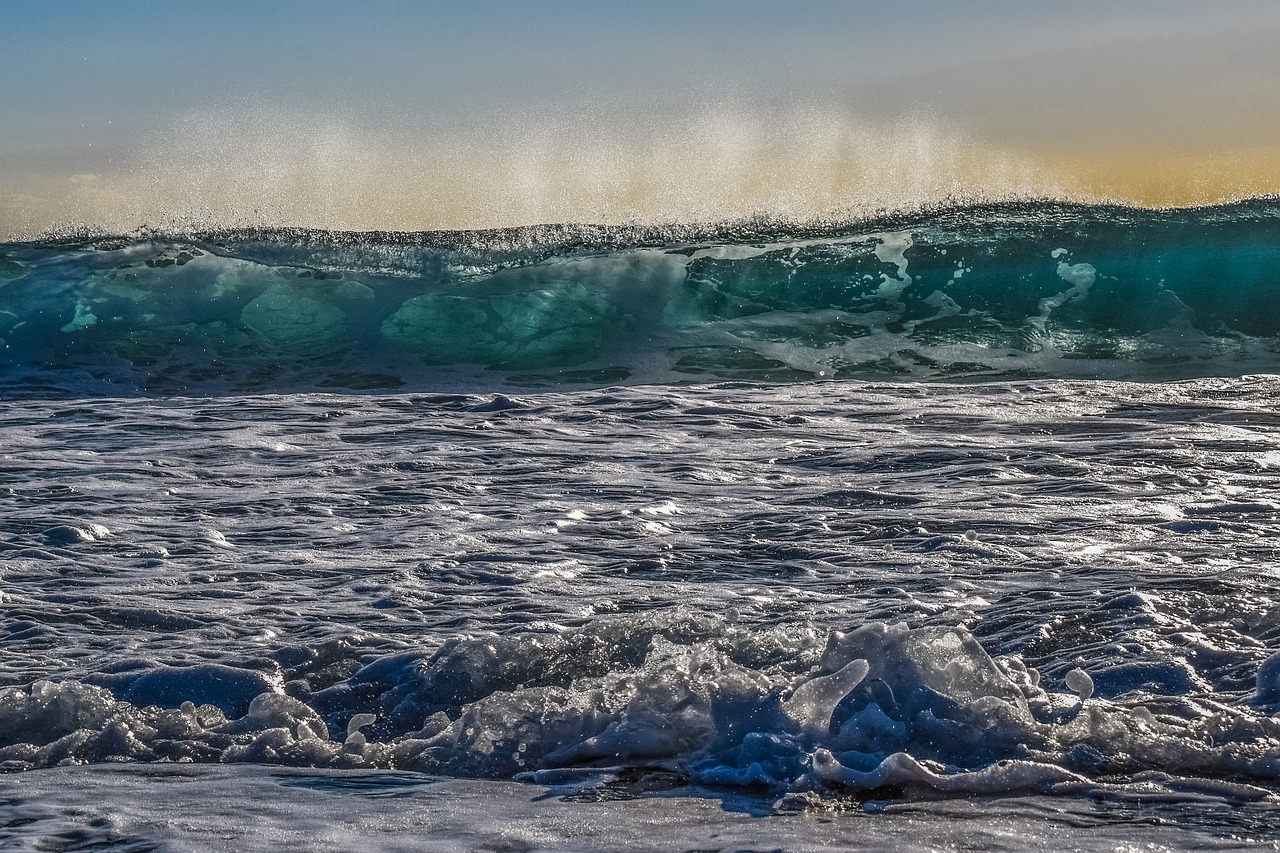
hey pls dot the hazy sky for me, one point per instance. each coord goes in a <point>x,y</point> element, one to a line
<point>1157,101</point>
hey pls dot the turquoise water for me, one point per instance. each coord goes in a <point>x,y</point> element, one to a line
<point>996,292</point>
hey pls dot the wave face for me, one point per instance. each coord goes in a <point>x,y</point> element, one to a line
<point>994,292</point>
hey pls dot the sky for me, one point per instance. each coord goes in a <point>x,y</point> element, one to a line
<point>385,114</point>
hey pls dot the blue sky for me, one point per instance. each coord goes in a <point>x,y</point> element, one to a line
<point>72,63</point>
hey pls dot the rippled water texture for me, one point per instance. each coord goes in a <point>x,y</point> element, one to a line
<point>800,592</point>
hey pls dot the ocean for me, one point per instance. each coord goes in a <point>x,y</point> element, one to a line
<point>953,529</point>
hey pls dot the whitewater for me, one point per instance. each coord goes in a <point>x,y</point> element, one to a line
<point>947,529</point>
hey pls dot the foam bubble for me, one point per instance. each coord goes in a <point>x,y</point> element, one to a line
<point>922,708</point>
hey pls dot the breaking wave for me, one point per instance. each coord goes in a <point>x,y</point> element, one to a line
<point>880,708</point>
<point>1003,291</point>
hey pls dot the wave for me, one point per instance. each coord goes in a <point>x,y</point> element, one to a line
<point>880,708</point>
<point>999,291</point>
